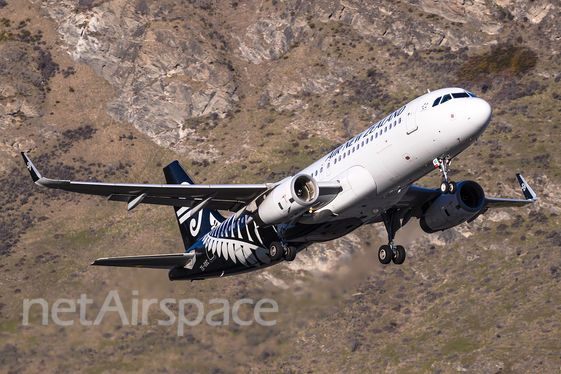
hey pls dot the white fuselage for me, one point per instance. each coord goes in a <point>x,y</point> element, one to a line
<point>376,167</point>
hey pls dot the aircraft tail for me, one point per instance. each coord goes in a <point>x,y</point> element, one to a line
<point>191,228</point>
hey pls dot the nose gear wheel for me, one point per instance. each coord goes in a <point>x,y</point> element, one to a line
<point>446,186</point>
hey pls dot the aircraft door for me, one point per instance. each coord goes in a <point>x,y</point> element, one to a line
<point>328,170</point>
<point>321,171</point>
<point>410,121</point>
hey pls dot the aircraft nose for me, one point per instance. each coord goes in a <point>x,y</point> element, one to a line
<point>479,113</point>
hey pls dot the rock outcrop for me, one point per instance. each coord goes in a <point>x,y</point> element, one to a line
<point>172,62</point>
<point>164,75</point>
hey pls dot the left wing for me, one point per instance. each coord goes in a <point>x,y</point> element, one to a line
<point>220,196</point>
<point>529,194</point>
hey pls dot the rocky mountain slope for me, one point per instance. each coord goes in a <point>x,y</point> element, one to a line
<point>252,91</point>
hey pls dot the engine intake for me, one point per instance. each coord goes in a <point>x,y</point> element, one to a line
<point>452,209</point>
<point>290,198</point>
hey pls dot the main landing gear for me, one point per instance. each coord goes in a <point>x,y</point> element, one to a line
<point>443,165</point>
<point>277,251</point>
<point>391,252</point>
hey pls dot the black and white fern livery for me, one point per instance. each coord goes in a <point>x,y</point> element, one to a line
<point>237,241</point>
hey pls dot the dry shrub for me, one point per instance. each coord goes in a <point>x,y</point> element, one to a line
<point>507,59</point>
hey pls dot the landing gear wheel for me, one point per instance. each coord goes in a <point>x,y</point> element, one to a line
<point>385,254</point>
<point>275,251</point>
<point>443,165</point>
<point>452,188</point>
<point>290,253</point>
<point>400,255</point>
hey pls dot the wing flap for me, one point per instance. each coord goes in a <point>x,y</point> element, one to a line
<point>167,261</point>
<point>494,202</point>
<point>231,205</point>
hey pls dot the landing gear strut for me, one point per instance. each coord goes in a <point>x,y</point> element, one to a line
<point>391,252</point>
<point>443,165</point>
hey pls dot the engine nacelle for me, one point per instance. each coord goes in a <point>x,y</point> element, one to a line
<point>450,210</point>
<point>287,200</point>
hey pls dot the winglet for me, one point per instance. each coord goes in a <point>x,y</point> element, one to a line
<point>32,170</point>
<point>529,194</point>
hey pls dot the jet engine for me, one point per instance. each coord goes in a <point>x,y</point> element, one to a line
<point>449,210</point>
<point>287,200</point>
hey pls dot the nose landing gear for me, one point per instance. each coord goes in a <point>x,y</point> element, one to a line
<point>391,252</point>
<point>443,165</point>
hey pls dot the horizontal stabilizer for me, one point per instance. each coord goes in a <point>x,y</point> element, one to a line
<point>168,261</point>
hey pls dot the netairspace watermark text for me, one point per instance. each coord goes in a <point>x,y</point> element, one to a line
<point>61,308</point>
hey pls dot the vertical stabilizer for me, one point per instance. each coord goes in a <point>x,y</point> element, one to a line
<point>192,228</point>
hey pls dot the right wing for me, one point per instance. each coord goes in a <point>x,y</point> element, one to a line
<point>221,196</point>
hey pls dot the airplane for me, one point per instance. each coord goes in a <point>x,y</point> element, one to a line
<point>369,179</point>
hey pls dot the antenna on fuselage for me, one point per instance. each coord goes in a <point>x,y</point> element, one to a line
<point>428,91</point>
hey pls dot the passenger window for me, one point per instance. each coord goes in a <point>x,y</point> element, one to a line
<point>390,126</point>
<point>445,98</point>
<point>376,134</point>
<point>344,154</point>
<point>339,158</point>
<point>394,123</point>
<point>353,149</point>
<point>321,170</point>
<point>362,144</point>
<point>436,102</point>
<point>372,137</point>
<point>316,173</point>
<point>385,128</point>
<point>335,162</point>
<point>366,140</point>
<point>349,153</point>
<point>399,120</point>
<point>459,95</point>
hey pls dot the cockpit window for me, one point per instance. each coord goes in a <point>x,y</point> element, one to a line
<point>445,98</point>
<point>459,95</point>
<point>456,95</point>
<point>436,101</point>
